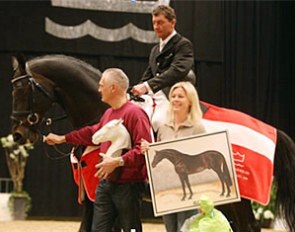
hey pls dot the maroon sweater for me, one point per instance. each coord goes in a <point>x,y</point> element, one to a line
<point>138,126</point>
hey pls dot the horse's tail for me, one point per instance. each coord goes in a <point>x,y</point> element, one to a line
<point>284,176</point>
<point>226,171</point>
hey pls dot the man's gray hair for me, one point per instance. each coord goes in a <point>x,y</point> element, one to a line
<point>117,76</point>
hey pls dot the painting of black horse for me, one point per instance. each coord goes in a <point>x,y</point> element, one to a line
<point>185,165</point>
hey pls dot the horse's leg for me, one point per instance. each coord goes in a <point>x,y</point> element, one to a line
<point>183,186</point>
<point>226,177</point>
<point>87,214</point>
<point>221,178</point>
<point>240,216</point>
<point>225,182</point>
<point>228,189</point>
<point>222,171</point>
<point>186,181</point>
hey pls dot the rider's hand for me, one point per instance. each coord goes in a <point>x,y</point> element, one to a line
<point>139,89</point>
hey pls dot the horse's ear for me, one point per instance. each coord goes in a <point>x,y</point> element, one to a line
<point>121,121</point>
<point>18,62</point>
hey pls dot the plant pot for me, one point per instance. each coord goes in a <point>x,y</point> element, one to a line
<point>19,208</point>
<point>19,205</point>
<point>267,223</point>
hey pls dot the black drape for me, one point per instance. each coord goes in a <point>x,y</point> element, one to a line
<point>258,70</point>
<point>244,55</point>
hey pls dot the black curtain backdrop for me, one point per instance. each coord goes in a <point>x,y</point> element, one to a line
<point>244,55</point>
<point>258,61</point>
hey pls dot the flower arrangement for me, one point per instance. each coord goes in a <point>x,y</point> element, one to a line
<point>266,213</point>
<point>16,158</point>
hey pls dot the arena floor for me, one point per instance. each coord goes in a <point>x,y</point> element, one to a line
<point>69,226</point>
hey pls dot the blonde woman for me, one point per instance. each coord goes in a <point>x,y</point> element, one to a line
<point>183,119</point>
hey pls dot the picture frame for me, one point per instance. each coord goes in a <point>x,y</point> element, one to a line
<point>204,156</point>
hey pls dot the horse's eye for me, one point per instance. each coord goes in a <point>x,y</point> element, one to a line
<point>18,84</point>
<point>21,84</point>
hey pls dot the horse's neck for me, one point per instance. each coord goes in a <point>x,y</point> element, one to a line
<point>76,91</point>
<point>173,158</point>
<point>82,106</point>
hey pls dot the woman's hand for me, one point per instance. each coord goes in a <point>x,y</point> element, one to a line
<point>144,146</point>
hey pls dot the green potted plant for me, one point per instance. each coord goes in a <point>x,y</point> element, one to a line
<point>265,214</point>
<point>16,158</point>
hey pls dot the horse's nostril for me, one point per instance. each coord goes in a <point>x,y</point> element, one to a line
<point>17,137</point>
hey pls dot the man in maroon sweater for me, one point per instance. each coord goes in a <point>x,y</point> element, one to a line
<point>116,198</point>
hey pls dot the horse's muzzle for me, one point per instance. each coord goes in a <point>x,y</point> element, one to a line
<point>22,135</point>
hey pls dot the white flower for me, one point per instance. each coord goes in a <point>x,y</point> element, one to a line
<point>268,214</point>
<point>256,215</point>
<point>10,138</point>
<point>260,210</point>
<point>23,151</point>
<point>16,149</point>
<point>12,155</point>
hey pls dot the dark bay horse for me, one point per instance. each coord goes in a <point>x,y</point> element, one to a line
<point>41,81</point>
<point>185,165</point>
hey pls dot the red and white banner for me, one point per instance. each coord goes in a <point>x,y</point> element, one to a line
<point>253,146</point>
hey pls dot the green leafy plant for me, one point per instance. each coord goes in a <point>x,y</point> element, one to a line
<point>16,157</point>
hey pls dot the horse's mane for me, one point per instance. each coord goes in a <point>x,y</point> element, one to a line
<point>75,85</point>
<point>71,59</point>
<point>172,152</point>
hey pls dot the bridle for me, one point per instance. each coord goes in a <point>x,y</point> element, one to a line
<point>32,117</point>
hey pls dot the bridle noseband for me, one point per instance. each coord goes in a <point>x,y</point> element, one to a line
<point>32,118</point>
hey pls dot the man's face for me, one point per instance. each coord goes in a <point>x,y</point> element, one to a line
<point>105,89</point>
<point>162,26</point>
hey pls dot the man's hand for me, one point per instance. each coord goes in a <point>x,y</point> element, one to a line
<point>52,139</point>
<point>139,89</point>
<point>106,166</point>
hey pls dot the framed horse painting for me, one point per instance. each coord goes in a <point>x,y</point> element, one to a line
<point>182,170</point>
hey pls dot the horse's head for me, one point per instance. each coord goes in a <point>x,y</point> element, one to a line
<point>157,158</point>
<point>109,132</point>
<point>31,98</point>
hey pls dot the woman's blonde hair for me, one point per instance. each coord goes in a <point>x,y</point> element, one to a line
<point>195,113</point>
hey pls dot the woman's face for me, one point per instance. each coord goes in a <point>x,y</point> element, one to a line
<point>179,101</point>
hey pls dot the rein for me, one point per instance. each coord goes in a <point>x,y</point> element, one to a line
<point>62,154</point>
<point>32,117</point>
